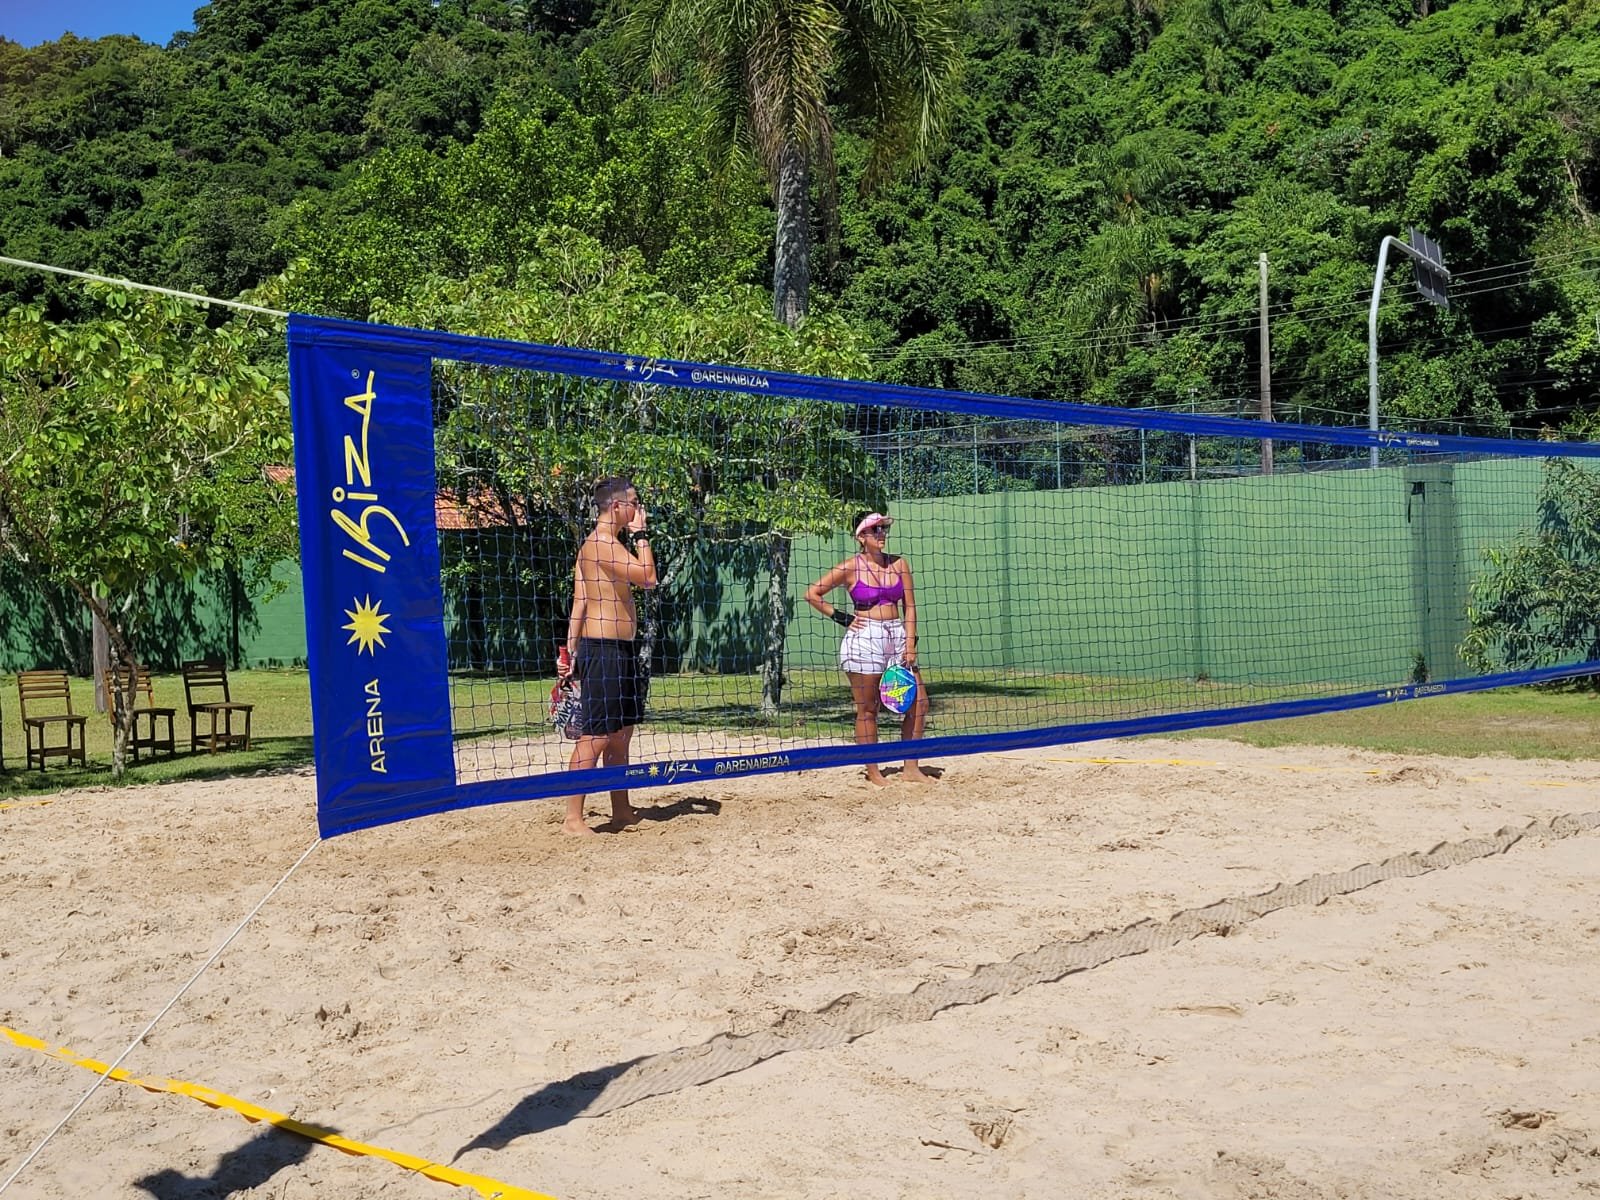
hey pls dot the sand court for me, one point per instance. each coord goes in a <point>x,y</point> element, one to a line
<point>475,990</point>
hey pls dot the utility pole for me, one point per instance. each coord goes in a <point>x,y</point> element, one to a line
<point>1432,281</point>
<point>1193,472</point>
<point>1266,373</point>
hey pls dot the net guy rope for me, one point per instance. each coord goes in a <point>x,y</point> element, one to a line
<point>142,287</point>
<point>166,1008</point>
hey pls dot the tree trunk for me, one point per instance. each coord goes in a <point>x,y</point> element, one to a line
<point>102,663</point>
<point>779,548</point>
<point>791,266</point>
<point>650,623</point>
<point>646,649</point>
<point>236,600</point>
<point>791,296</point>
<point>73,649</point>
<point>121,655</point>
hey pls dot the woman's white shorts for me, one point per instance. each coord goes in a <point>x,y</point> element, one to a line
<point>870,647</point>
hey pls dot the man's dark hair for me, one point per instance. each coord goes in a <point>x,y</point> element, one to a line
<point>608,491</point>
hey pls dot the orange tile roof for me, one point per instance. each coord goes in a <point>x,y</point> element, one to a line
<point>479,511</point>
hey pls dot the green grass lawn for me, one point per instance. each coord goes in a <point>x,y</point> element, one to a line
<point>1514,722</point>
<point>280,725</point>
<point>1509,722</point>
<point>816,702</point>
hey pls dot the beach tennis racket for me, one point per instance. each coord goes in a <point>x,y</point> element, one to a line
<point>566,704</point>
<point>566,701</point>
<point>898,689</point>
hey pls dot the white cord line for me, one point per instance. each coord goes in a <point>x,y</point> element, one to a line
<point>144,1033</point>
<point>143,287</point>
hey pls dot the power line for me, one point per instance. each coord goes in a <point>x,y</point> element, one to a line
<point>1577,264</point>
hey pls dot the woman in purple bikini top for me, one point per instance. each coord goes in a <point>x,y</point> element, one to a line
<point>866,594</point>
<point>880,633</point>
<point>875,580</point>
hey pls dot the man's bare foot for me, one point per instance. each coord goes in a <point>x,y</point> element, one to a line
<point>912,773</point>
<point>875,777</point>
<point>577,827</point>
<point>625,818</point>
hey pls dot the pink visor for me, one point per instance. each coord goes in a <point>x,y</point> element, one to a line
<point>871,519</point>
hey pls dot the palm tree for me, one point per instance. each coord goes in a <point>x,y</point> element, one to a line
<point>1126,282</point>
<point>770,68</point>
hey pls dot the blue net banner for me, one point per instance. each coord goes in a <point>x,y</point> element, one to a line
<point>369,553</point>
<point>426,345</point>
<point>429,686</point>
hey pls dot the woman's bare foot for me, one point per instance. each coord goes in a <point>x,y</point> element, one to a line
<point>577,827</point>
<point>912,773</point>
<point>875,777</point>
<point>625,817</point>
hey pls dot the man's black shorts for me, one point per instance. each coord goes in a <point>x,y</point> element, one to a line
<point>613,696</point>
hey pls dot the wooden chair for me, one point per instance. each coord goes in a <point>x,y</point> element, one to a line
<point>146,716</point>
<point>208,677</point>
<point>36,689</point>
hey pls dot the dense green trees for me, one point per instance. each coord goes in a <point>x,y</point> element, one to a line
<point>1089,228</point>
<point>1537,603</point>
<point>1115,170</point>
<point>771,73</point>
<point>133,448</point>
<point>623,170</point>
<point>178,165</point>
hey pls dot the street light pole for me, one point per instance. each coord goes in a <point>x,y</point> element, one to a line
<point>1372,343</point>
<point>1266,373</point>
<point>1432,280</point>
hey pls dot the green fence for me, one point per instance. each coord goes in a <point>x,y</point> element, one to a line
<point>211,617</point>
<point>1342,577</point>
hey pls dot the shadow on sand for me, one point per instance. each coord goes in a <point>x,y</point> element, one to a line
<point>552,1106</point>
<point>241,1169</point>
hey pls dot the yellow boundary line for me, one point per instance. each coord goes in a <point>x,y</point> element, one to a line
<point>1212,762</point>
<point>489,1189</point>
<point>24,803</point>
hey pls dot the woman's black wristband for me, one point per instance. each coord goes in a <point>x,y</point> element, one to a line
<point>841,617</point>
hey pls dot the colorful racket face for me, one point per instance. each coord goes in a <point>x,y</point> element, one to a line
<point>898,689</point>
<point>566,706</point>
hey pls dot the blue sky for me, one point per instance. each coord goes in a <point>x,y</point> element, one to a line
<point>33,21</point>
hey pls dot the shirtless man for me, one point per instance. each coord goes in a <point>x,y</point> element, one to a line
<point>600,642</point>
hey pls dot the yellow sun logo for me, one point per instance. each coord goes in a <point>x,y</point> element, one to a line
<point>366,625</point>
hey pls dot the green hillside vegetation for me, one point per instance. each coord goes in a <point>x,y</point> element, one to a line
<point>178,165</point>
<point>1088,228</point>
<point>1117,169</point>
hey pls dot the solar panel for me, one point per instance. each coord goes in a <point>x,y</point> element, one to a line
<point>1433,280</point>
